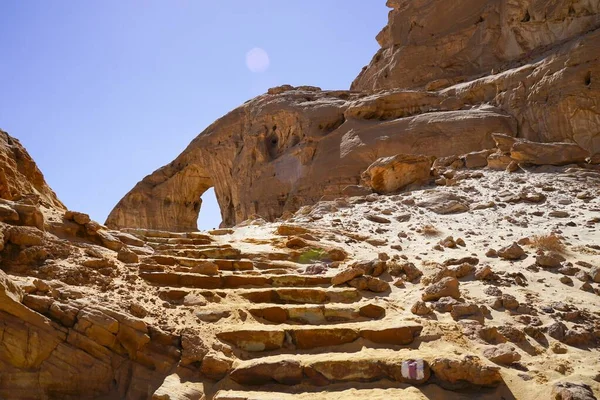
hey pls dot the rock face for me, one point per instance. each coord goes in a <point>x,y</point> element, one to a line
<point>534,59</point>
<point>427,42</point>
<point>280,151</point>
<point>534,62</point>
<point>20,176</point>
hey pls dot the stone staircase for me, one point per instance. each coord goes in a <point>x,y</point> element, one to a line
<point>298,335</point>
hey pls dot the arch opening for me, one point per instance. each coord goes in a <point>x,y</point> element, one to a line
<point>209,216</point>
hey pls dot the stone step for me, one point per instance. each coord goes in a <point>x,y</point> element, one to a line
<point>161,246</point>
<point>302,295</point>
<point>276,264</point>
<point>168,243</point>
<point>280,296</point>
<point>317,314</point>
<point>222,264</point>
<point>407,366</point>
<point>222,252</point>
<point>197,281</point>
<point>276,271</point>
<point>153,234</point>
<point>327,368</point>
<point>303,337</point>
<point>378,390</point>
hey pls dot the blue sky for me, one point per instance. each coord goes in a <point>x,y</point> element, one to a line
<point>102,93</point>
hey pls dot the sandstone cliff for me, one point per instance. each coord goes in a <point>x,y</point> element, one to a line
<point>479,279</point>
<point>436,43</point>
<point>289,148</point>
<point>20,176</point>
<point>447,76</point>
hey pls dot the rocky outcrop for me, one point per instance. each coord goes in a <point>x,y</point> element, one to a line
<point>446,78</point>
<point>280,151</point>
<point>429,43</point>
<point>40,357</point>
<point>537,60</point>
<point>19,175</point>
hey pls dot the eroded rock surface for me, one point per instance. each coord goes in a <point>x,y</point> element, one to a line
<point>20,176</point>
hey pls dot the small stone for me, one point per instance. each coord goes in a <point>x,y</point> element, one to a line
<point>484,273</point>
<point>420,308</point>
<point>492,291</point>
<point>127,256</point>
<point>137,310</point>
<point>572,391</point>
<point>549,260</point>
<point>383,256</point>
<point>586,287</point>
<point>491,253</point>
<point>594,274</point>
<point>372,311</point>
<point>509,302</point>
<point>558,348</point>
<point>503,354</point>
<point>566,280</point>
<point>446,287</point>
<point>347,275</point>
<point>558,214</point>
<point>512,252</point>
<point>464,310</point>
<point>376,218</point>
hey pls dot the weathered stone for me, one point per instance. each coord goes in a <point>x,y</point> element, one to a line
<point>254,340</point>
<point>446,287</point>
<point>402,335</point>
<point>176,388</point>
<point>572,391</point>
<point>442,202</point>
<point>549,260</point>
<point>548,153</point>
<point>260,373</point>
<point>372,311</point>
<point>323,337</point>
<point>469,369</point>
<point>420,308</point>
<point>21,176</point>
<point>194,348</point>
<point>215,366</point>
<point>390,174</point>
<point>78,217</point>
<point>127,256</point>
<point>512,252</point>
<point>347,275</point>
<point>503,354</point>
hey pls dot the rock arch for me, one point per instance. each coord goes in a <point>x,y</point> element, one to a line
<point>169,199</point>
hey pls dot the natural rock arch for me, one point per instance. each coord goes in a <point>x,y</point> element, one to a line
<point>168,199</point>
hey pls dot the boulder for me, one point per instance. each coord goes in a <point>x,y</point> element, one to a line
<point>512,252</point>
<point>390,174</point>
<point>549,260</point>
<point>127,256</point>
<point>503,354</point>
<point>548,153</point>
<point>215,365</point>
<point>347,275</point>
<point>420,308</point>
<point>176,388</point>
<point>442,202</point>
<point>468,370</point>
<point>446,287</point>
<point>572,391</point>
